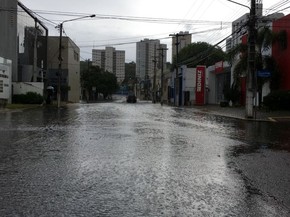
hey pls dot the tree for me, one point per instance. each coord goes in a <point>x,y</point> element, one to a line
<point>264,40</point>
<point>200,53</point>
<point>95,80</point>
<point>84,65</point>
<point>108,84</point>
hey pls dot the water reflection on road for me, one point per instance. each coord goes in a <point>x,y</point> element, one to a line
<point>118,159</point>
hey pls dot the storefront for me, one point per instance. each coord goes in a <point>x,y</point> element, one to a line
<point>219,79</point>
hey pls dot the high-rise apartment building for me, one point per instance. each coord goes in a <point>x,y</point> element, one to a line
<point>184,39</point>
<point>146,54</point>
<point>110,60</point>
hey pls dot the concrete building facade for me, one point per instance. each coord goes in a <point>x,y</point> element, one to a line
<point>146,54</point>
<point>8,33</point>
<point>23,45</point>
<point>70,71</point>
<point>110,60</point>
<point>148,62</point>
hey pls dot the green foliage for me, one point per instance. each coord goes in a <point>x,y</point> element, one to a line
<point>264,40</point>
<point>278,100</point>
<point>238,50</point>
<point>84,65</point>
<point>95,77</point>
<point>28,98</point>
<point>200,53</point>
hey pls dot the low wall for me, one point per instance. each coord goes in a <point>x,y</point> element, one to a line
<point>24,87</point>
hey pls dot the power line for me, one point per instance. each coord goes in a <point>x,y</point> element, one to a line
<point>198,58</point>
<point>129,18</point>
<point>162,38</point>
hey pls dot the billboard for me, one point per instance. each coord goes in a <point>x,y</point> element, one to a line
<point>200,85</point>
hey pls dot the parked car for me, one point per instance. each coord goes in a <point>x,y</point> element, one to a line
<point>131,98</point>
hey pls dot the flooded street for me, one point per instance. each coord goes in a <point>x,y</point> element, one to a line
<point>120,159</point>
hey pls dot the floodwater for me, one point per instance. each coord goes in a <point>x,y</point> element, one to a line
<point>120,159</point>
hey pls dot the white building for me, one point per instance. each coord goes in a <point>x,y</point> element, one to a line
<point>5,81</point>
<point>146,54</point>
<point>150,55</point>
<point>110,60</point>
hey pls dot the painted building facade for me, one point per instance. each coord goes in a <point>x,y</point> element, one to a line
<point>70,70</point>
<point>281,52</point>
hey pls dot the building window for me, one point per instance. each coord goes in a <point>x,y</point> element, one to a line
<point>76,56</point>
<point>1,86</point>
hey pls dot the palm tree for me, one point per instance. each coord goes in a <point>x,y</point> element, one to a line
<point>264,41</point>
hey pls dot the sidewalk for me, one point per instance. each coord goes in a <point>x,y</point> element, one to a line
<point>240,113</point>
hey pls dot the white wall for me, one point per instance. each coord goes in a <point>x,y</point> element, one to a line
<point>211,85</point>
<point>189,83</point>
<point>5,83</point>
<point>24,87</point>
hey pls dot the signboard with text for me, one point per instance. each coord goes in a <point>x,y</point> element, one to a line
<point>200,85</point>
<point>264,74</point>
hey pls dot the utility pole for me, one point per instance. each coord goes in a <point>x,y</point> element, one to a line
<point>59,74</point>
<point>176,97</point>
<point>59,65</point>
<point>162,75</point>
<point>35,52</point>
<point>251,84</point>
<point>154,76</point>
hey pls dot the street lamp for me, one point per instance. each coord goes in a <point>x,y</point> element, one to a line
<point>251,77</point>
<point>60,26</point>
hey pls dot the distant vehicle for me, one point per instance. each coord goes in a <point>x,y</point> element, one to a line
<point>131,98</point>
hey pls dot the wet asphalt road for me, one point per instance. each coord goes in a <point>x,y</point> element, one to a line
<point>119,159</point>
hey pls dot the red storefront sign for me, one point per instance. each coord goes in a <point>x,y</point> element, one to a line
<point>200,85</point>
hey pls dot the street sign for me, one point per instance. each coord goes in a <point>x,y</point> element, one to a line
<point>200,85</point>
<point>264,74</point>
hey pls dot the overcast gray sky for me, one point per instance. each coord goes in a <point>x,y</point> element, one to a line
<point>121,27</point>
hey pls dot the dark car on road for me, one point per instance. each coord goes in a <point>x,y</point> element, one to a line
<point>131,98</point>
